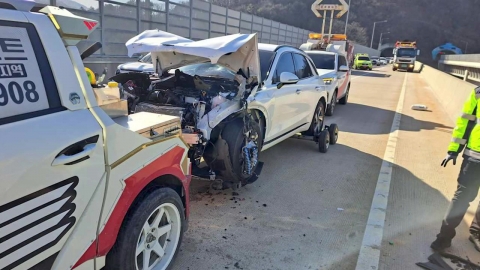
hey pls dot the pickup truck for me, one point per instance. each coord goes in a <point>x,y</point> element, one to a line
<point>83,184</point>
<point>333,68</point>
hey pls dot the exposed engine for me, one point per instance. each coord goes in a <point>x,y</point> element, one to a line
<point>181,94</point>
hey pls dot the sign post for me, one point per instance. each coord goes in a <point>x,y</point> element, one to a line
<point>318,6</point>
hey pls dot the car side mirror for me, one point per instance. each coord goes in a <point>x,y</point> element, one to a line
<point>343,68</point>
<point>287,78</point>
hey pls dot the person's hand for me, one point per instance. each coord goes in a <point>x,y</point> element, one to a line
<point>448,158</point>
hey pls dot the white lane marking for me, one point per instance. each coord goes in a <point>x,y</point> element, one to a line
<point>369,256</point>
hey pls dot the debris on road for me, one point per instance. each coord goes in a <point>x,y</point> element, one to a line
<point>264,205</point>
<point>419,107</point>
<point>340,209</point>
<point>436,261</point>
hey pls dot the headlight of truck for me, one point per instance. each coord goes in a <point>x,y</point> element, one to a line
<point>328,81</point>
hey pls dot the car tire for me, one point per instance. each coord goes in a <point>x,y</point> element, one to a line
<point>331,106</point>
<point>333,133</point>
<point>234,137</point>
<point>123,254</point>
<point>370,68</point>
<point>319,109</point>
<point>394,69</point>
<point>344,99</point>
<point>324,141</point>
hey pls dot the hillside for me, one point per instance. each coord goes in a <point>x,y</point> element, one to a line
<point>431,23</point>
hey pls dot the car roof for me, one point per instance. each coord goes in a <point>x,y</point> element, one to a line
<point>319,52</point>
<point>275,47</point>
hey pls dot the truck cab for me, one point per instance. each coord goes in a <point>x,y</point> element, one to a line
<point>404,55</point>
<point>84,184</point>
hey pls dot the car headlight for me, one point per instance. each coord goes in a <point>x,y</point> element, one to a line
<point>328,81</point>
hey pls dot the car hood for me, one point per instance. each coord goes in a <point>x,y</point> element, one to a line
<point>326,73</point>
<point>137,66</point>
<point>169,51</point>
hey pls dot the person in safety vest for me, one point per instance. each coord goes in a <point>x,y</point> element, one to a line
<point>466,136</point>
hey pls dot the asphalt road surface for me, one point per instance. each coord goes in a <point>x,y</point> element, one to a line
<point>310,210</point>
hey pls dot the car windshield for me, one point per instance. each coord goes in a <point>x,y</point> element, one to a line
<point>363,58</point>
<point>406,52</point>
<point>208,70</point>
<point>146,59</point>
<point>265,60</point>
<point>323,61</point>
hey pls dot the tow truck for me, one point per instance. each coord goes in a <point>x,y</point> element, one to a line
<point>404,55</point>
<point>318,41</point>
<point>332,56</point>
<point>83,184</point>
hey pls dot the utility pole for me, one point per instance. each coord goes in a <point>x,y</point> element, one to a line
<point>348,13</point>
<point>380,41</point>
<point>373,32</point>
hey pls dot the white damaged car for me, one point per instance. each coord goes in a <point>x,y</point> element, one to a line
<point>236,97</point>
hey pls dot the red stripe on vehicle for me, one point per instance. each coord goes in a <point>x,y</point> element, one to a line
<point>167,164</point>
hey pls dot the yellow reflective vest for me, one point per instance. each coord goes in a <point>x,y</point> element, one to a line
<point>467,129</point>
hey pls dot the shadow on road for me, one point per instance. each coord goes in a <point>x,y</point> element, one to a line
<point>373,73</point>
<point>302,227</point>
<point>365,119</point>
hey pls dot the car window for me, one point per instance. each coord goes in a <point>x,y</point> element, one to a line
<point>27,86</point>
<point>284,64</point>
<point>302,68</point>
<point>363,58</point>
<point>266,58</point>
<point>314,70</point>
<point>341,61</point>
<point>323,61</point>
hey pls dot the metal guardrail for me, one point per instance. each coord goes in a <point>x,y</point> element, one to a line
<point>466,66</point>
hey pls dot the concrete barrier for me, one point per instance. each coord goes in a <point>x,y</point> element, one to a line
<point>449,90</point>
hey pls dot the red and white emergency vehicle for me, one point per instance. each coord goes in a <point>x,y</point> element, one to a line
<point>83,184</point>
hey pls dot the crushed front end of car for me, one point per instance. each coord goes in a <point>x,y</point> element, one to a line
<point>207,84</point>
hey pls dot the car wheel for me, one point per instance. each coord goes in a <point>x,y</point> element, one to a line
<point>151,234</point>
<point>323,141</point>
<point>331,107</point>
<point>394,69</point>
<point>243,151</point>
<point>344,99</point>
<point>318,119</point>
<point>333,133</point>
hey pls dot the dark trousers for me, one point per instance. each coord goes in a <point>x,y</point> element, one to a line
<point>467,190</point>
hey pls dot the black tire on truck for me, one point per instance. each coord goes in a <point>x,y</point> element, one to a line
<point>344,99</point>
<point>234,137</point>
<point>331,106</point>
<point>144,214</point>
<point>323,141</point>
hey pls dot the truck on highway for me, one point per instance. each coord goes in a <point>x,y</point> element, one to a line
<point>333,67</point>
<point>317,41</point>
<point>83,184</point>
<point>404,55</point>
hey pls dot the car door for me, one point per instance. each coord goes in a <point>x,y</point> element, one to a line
<point>309,95</point>
<point>51,157</point>
<point>342,76</point>
<point>285,109</point>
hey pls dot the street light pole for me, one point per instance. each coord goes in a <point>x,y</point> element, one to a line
<point>373,32</point>
<point>348,13</point>
<point>380,42</point>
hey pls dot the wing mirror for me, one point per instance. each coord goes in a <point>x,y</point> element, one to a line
<point>287,78</point>
<point>343,68</point>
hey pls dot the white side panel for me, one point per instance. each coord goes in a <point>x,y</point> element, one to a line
<point>49,199</point>
<point>132,165</point>
<point>84,233</point>
<point>60,62</point>
<point>120,140</point>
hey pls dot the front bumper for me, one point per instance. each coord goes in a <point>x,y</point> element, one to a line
<point>404,66</point>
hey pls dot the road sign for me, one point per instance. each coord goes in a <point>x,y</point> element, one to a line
<point>343,8</point>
